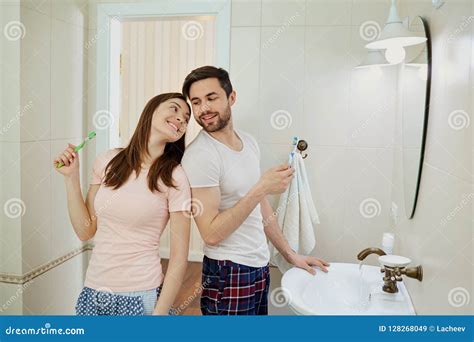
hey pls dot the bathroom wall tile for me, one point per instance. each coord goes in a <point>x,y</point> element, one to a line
<point>448,293</point>
<point>328,12</point>
<point>244,73</point>
<point>67,81</point>
<point>66,279</point>
<point>10,253</point>
<point>10,80</point>
<point>372,121</point>
<point>71,11</point>
<point>272,155</point>
<point>11,299</point>
<point>443,217</point>
<point>35,76</point>
<point>415,7</point>
<point>12,111</point>
<point>40,6</point>
<point>450,14</point>
<point>246,12</point>
<point>357,49</point>
<point>326,168</point>
<point>442,222</point>
<point>450,121</point>
<point>36,172</point>
<point>330,232</point>
<point>281,84</point>
<point>365,11</point>
<point>457,221</point>
<point>379,160</point>
<point>367,195</point>
<point>329,243</point>
<point>283,12</point>
<point>327,85</point>
<point>10,200</point>
<point>353,241</point>
<point>10,165</point>
<point>428,255</point>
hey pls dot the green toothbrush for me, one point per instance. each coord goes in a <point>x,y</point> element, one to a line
<point>79,147</point>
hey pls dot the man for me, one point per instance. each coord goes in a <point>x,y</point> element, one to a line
<point>233,213</point>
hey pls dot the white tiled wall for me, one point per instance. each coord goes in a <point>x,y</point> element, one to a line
<point>305,66</point>
<point>440,235</point>
<point>304,71</point>
<point>44,96</point>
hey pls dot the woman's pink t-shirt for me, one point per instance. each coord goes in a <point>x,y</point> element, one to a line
<point>130,221</point>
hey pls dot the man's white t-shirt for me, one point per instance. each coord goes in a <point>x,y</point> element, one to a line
<point>208,163</point>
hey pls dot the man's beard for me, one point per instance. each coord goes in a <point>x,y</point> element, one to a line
<point>221,122</point>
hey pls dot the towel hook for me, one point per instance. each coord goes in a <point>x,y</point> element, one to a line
<point>302,146</point>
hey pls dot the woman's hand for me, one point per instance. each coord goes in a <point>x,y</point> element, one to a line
<point>70,159</point>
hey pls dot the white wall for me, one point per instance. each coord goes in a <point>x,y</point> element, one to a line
<point>440,235</point>
<point>299,57</point>
<point>45,96</point>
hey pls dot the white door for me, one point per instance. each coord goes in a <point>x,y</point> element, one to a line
<point>155,57</point>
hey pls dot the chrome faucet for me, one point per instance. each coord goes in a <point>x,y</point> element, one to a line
<point>393,274</point>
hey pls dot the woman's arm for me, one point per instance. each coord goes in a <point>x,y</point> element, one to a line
<point>180,226</point>
<point>81,214</point>
<point>84,224</point>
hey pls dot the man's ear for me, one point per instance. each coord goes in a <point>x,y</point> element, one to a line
<point>232,97</point>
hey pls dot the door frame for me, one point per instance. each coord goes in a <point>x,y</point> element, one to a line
<point>107,16</point>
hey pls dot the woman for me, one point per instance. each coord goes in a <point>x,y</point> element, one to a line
<point>133,193</point>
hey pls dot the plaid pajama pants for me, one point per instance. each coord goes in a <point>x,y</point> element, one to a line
<point>234,289</point>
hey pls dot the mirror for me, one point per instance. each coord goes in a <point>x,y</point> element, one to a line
<point>415,80</point>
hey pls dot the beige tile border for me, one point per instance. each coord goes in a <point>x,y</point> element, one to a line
<point>22,279</point>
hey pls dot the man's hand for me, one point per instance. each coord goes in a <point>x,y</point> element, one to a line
<point>305,262</point>
<point>276,180</point>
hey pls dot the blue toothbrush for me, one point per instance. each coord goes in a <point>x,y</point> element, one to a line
<point>292,153</point>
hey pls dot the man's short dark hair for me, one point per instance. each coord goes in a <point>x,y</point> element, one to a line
<point>207,72</point>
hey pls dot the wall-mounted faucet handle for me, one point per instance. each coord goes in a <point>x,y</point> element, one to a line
<point>414,272</point>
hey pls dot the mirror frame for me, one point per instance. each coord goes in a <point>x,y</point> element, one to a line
<point>426,113</point>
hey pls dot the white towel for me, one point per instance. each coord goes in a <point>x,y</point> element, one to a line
<point>297,216</point>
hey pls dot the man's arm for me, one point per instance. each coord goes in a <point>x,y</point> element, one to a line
<point>216,226</point>
<point>275,235</point>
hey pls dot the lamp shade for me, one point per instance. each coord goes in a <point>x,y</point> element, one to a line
<point>394,33</point>
<point>373,58</point>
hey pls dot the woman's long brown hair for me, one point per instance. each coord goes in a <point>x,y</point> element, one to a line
<point>129,159</point>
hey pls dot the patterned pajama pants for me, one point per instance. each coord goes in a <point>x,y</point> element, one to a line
<point>234,289</point>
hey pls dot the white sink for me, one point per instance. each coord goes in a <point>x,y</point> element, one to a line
<point>346,289</point>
